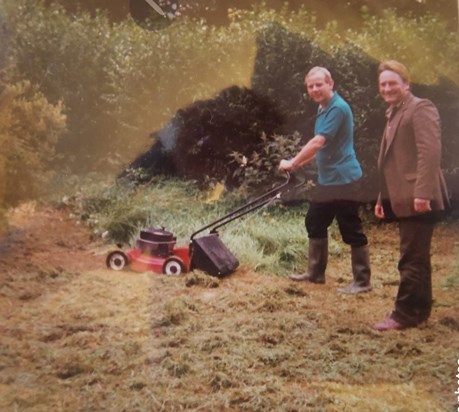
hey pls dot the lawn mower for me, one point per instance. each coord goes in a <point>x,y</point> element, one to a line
<point>156,249</point>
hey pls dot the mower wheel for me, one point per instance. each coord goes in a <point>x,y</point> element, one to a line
<point>173,267</point>
<point>116,260</point>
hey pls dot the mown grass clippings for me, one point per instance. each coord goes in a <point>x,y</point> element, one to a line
<point>450,323</point>
<point>29,286</point>
<point>176,312</point>
<point>200,278</point>
<point>71,365</point>
<point>176,369</point>
<point>293,290</point>
<point>452,281</point>
<point>281,345</point>
<point>220,381</point>
<point>99,340</point>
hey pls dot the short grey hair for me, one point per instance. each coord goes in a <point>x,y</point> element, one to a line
<point>319,69</point>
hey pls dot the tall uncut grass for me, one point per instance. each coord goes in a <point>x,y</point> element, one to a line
<point>271,239</point>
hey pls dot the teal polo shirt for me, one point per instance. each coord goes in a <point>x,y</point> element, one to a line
<point>336,161</point>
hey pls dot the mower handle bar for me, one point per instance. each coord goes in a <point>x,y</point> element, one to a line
<point>245,209</point>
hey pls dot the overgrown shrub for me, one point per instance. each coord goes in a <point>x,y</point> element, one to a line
<point>70,58</point>
<point>30,128</point>
<point>259,168</point>
<point>200,138</point>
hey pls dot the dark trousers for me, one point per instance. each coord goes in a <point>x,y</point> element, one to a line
<point>413,303</point>
<point>320,215</point>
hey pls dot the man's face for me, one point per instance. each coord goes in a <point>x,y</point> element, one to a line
<point>319,89</point>
<point>392,88</point>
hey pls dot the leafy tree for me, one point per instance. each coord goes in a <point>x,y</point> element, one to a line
<point>69,60</point>
<point>30,128</point>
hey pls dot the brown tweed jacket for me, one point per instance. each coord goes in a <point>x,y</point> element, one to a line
<point>409,157</point>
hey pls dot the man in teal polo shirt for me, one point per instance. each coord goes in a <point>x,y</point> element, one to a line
<point>335,195</point>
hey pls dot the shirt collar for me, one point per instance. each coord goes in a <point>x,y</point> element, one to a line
<point>330,103</point>
<point>394,108</point>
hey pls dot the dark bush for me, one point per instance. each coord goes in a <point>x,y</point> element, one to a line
<point>198,142</point>
<point>445,95</point>
<point>156,161</point>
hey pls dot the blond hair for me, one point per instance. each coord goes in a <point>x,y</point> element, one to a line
<point>396,67</point>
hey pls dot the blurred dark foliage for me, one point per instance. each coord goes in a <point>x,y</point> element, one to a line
<point>445,95</point>
<point>198,141</point>
<point>208,131</point>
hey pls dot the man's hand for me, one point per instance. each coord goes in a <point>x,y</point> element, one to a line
<point>379,211</point>
<point>422,205</point>
<point>285,165</point>
<point>307,154</point>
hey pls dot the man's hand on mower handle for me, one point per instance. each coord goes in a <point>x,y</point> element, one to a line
<point>286,165</point>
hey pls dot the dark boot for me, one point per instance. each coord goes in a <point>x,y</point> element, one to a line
<point>360,270</point>
<point>317,262</point>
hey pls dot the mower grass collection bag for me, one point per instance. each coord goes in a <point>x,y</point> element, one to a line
<point>209,254</point>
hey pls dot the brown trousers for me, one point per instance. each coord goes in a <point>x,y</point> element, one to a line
<point>413,303</point>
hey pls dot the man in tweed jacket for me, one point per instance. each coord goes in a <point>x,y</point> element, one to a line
<point>412,189</point>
